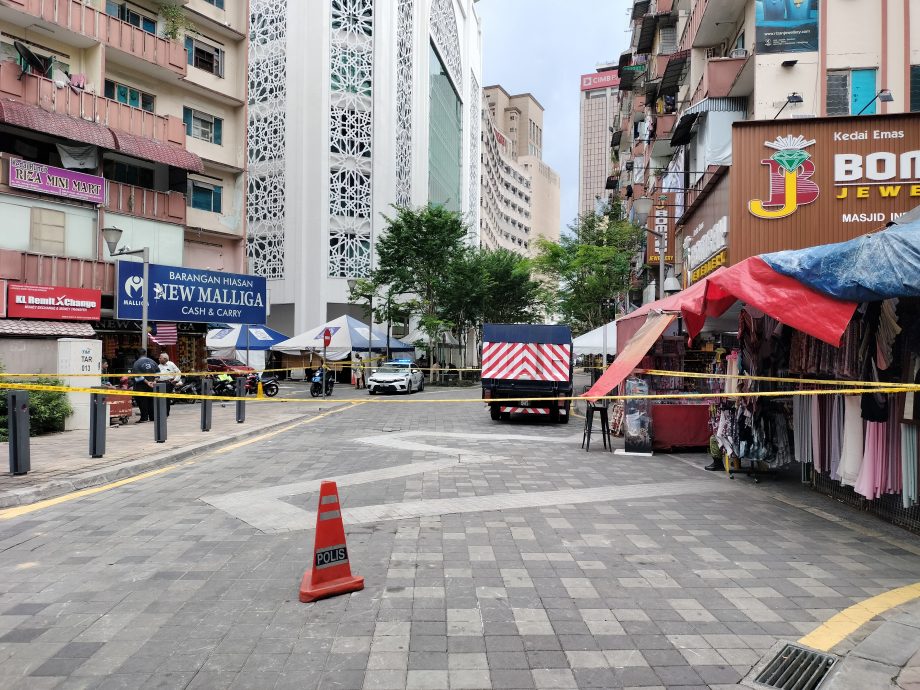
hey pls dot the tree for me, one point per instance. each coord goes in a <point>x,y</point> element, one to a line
<point>591,264</point>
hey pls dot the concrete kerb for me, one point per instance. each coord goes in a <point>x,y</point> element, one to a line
<point>131,468</point>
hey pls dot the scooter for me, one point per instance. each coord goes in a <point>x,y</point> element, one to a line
<point>224,386</point>
<point>269,384</point>
<point>316,386</point>
<point>188,386</point>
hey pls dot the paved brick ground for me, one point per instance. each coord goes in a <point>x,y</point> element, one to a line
<point>147,585</point>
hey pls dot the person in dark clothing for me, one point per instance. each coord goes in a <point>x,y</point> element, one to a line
<point>145,384</point>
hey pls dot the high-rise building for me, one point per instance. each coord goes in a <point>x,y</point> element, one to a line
<point>598,110</point>
<point>355,106</point>
<point>149,106</point>
<point>520,193</point>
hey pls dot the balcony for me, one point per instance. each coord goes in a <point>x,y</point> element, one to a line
<point>39,91</point>
<point>83,20</point>
<point>168,207</point>
<point>39,269</point>
<point>720,74</point>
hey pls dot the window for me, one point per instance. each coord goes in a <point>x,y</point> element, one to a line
<point>219,4</point>
<point>203,126</point>
<point>667,38</point>
<point>129,96</point>
<point>849,91</point>
<point>122,12</point>
<point>205,197</point>
<point>48,231</point>
<point>126,173</point>
<point>914,88</point>
<point>205,57</point>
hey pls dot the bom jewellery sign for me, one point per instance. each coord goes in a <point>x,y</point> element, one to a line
<point>799,183</point>
<point>46,179</point>
<point>188,294</point>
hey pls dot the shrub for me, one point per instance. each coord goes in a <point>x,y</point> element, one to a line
<point>47,409</point>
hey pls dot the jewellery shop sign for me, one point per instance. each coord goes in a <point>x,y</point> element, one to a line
<point>188,294</point>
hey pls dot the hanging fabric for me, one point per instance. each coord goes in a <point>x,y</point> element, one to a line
<point>851,455</point>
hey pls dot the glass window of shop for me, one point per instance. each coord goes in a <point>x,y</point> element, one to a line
<point>444,137</point>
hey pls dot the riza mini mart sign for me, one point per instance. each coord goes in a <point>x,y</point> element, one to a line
<point>46,179</point>
<point>55,303</point>
<point>798,183</point>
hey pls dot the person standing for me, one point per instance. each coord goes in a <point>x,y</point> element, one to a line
<point>146,367</point>
<point>170,375</point>
<point>359,372</point>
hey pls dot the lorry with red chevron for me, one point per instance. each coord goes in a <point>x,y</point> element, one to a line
<point>523,365</point>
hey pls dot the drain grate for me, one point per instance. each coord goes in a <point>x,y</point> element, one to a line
<point>796,668</point>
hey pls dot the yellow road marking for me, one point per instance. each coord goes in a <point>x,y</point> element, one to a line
<point>839,627</point>
<point>18,511</point>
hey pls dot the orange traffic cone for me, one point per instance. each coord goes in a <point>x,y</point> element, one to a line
<point>331,573</point>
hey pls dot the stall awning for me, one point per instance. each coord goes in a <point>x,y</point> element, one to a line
<point>159,152</point>
<point>683,132</point>
<point>673,73</point>
<point>631,354</point>
<point>53,329</point>
<point>32,117</point>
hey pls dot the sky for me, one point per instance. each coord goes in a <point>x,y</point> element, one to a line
<point>543,46</point>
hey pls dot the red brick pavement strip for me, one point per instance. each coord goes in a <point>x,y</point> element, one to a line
<point>61,462</point>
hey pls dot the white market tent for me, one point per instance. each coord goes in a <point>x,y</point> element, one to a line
<point>592,342</point>
<point>247,343</point>
<point>420,336</point>
<point>348,335</point>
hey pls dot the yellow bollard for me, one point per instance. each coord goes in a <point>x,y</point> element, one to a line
<point>259,393</point>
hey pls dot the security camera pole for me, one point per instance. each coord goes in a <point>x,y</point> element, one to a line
<point>112,236</point>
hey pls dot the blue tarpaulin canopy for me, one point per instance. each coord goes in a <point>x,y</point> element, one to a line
<point>241,337</point>
<point>348,335</point>
<point>873,267</point>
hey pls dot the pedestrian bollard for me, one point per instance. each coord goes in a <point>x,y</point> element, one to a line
<point>98,422</point>
<point>17,406</point>
<point>159,414</point>
<point>206,403</point>
<point>241,403</point>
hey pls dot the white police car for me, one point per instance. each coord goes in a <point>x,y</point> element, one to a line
<point>397,376</point>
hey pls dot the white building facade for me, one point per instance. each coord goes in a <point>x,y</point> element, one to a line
<point>355,106</point>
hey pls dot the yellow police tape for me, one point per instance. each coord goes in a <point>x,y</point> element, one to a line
<point>899,388</point>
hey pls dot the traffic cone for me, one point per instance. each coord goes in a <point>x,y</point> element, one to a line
<point>330,573</point>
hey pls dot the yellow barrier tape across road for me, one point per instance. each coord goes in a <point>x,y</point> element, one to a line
<point>773,379</point>
<point>902,388</point>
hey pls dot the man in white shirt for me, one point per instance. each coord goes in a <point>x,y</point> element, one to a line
<point>170,375</point>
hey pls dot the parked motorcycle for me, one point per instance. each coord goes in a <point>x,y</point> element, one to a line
<point>224,386</point>
<point>269,384</point>
<point>316,383</point>
<point>188,386</point>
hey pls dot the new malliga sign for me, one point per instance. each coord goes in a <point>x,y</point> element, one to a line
<point>189,294</point>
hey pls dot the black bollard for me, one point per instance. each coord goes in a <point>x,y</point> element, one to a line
<point>159,414</point>
<point>98,423</point>
<point>17,406</point>
<point>241,403</point>
<point>206,403</point>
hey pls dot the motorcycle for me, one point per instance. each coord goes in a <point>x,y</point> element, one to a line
<point>269,384</point>
<point>224,386</point>
<point>188,386</point>
<point>316,385</point>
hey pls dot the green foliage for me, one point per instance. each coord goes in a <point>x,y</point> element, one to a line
<point>591,264</point>
<point>174,21</point>
<point>47,409</point>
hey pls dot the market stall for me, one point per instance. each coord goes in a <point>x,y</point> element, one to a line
<point>248,343</point>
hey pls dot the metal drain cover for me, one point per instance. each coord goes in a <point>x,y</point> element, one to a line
<point>796,668</point>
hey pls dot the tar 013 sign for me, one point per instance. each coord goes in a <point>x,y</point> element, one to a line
<point>54,303</point>
<point>800,183</point>
<point>188,294</point>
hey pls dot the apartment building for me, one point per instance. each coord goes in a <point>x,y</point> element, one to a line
<point>598,103</point>
<point>700,73</point>
<point>355,106</point>
<point>520,199</point>
<point>117,114</point>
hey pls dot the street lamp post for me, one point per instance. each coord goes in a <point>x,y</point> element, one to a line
<point>606,305</point>
<point>112,236</point>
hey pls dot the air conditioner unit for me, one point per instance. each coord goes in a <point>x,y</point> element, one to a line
<point>739,53</point>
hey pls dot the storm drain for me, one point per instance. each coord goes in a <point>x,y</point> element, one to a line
<point>796,668</point>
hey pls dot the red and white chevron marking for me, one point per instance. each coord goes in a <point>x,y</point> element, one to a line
<point>526,410</point>
<point>526,361</point>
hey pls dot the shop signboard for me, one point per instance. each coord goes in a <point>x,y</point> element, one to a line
<point>53,303</point>
<point>704,230</point>
<point>189,294</point>
<point>786,26</point>
<point>800,183</point>
<point>661,220</point>
<point>46,179</point>
<point>599,80</point>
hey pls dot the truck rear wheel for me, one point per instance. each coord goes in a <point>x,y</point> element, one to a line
<point>568,412</point>
<point>495,412</point>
